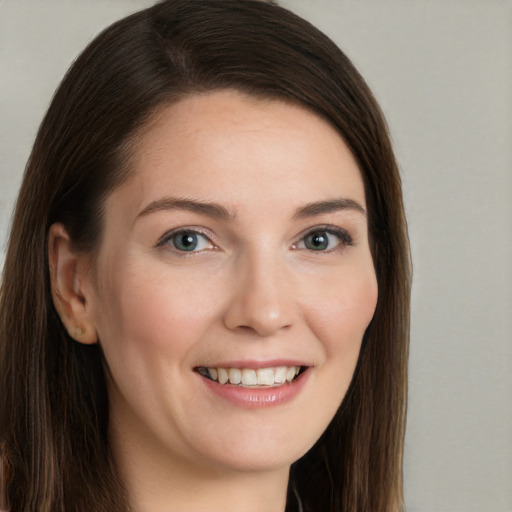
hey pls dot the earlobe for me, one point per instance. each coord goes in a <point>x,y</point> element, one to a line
<point>68,278</point>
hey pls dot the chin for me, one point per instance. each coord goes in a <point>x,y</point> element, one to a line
<point>258,450</point>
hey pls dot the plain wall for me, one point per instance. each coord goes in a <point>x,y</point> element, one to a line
<point>442,71</point>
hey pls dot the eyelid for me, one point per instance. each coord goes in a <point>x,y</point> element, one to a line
<point>165,238</point>
<point>343,235</point>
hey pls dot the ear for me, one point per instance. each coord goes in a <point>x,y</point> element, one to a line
<point>68,279</point>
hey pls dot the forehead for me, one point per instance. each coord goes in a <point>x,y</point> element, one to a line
<point>229,147</point>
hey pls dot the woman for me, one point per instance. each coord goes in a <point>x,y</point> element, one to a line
<point>205,295</point>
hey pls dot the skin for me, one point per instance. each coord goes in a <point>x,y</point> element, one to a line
<point>252,291</point>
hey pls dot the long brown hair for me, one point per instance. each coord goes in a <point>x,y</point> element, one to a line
<point>54,406</point>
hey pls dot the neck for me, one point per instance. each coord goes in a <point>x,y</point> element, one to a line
<point>226,493</point>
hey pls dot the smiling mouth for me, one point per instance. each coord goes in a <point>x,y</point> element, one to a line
<point>250,378</point>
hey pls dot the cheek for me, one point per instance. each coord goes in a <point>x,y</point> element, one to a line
<point>149,329</point>
<point>339,317</point>
<point>151,316</point>
<point>341,314</point>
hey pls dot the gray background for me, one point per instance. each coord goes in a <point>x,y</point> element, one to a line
<point>442,71</point>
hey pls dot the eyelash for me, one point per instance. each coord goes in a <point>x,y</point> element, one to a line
<point>342,235</point>
<point>167,239</point>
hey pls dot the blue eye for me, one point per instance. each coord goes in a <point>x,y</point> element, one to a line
<point>317,241</point>
<point>325,240</point>
<point>188,241</point>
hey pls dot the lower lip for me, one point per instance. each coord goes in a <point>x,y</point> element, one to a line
<point>258,397</point>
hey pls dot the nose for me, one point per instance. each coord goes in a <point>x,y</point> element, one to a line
<point>262,300</point>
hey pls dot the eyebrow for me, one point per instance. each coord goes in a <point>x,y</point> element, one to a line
<point>214,210</point>
<point>329,206</point>
<point>218,211</point>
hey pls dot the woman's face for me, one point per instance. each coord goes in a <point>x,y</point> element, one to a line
<point>238,250</point>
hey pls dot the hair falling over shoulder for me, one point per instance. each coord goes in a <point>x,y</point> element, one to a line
<point>54,404</point>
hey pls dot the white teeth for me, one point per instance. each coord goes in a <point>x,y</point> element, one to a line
<point>265,377</point>
<point>290,373</point>
<point>280,375</point>
<point>222,375</point>
<point>235,376</point>
<point>248,377</point>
